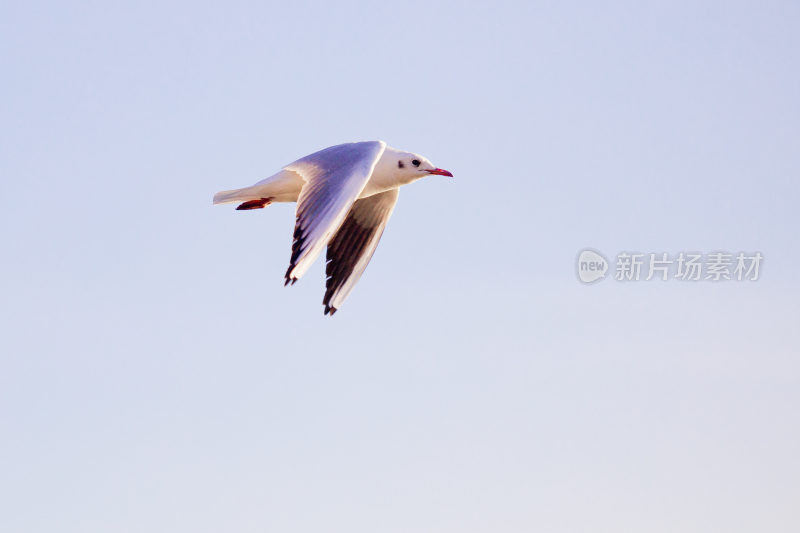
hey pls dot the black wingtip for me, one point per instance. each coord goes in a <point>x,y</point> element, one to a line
<point>288,278</point>
<point>330,310</point>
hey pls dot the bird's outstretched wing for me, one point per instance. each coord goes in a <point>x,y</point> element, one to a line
<point>352,247</point>
<point>334,177</point>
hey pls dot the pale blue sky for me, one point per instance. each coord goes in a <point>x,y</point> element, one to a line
<point>156,376</point>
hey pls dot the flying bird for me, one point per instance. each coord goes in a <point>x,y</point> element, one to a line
<point>345,195</point>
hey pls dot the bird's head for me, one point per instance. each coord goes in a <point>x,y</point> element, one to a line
<point>414,166</point>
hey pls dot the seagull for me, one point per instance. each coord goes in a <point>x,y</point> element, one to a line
<point>345,195</point>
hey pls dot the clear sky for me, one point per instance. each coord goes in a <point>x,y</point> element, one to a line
<point>156,376</point>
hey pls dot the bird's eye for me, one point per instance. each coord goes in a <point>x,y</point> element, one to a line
<point>415,162</point>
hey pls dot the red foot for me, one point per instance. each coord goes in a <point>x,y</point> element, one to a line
<point>254,204</point>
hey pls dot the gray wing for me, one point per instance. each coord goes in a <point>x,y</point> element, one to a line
<point>334,177</point>
<point>352,247</point>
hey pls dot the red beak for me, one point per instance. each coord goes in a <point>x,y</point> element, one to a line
<point>440,172</point>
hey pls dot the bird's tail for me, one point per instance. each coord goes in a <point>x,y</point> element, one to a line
<point>284,186</point>
<point>236,195</point>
